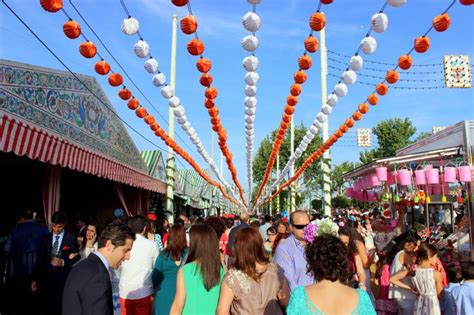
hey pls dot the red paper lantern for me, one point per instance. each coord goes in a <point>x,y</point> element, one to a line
<point>211,93</point>
<point>292,100</point>
<point>300,77</point>
<point>317,21</point>
<point>72,29</point>
<point>295,89</point>
<point>180,3</point>
<point>195,47</point>
<point>373,99</point>
<point>203,65</point>
<point>217,128</point>
<point>344,128</point>
<point>88,50</point>
<point>382,89</point>
<point>213,112</point>
<point>133,104</point>
<point>286,118</point>
<point>405,62</point>
<point>305,62</point>
<point>311,44</point>
<point>189,24</point>
<point>141,112</point>
<point>289,110</point>
<point>208,103</point>
<point>102,67</point>
<point>154,126</point>
<point>215,121</point>
<point>326,1</point>
<point>115,79</point>
<point>422,44</point>
<point>149,119</point>
<point>52,5</point>
<point>125,94</point>
<point>441,22</point>
<point>206,79</point>
<point>392,76</point>
<point>349,122</point>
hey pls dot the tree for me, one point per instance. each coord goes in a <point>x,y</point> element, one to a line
<point>366,157</point>
<point>423,135</point>
<point>336,176</point>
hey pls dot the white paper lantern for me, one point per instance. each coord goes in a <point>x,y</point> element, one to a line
<point>250,43</point>
<point>167,91</point>
<point>141,49</point>
<point>251,78</point>
<point>332,100</point>
<point>379,22</point>
<point>250,111</point>
<point>356,63</point>
<point>250,102</point>
<point>368,45</point>
<point>159,79</point>
<point>248,126</point>
<point>192,133</point>
<point>349,77</point>
<point>174,102</point>
<point>250,119</point>
<point>181,120</point>
<point>249,132</point>
<point>248,138</point>
<point>313,130</point>
<point>186,126</point>
<point>250,90</point>
<point>250,63</point>
<point>396,3</point>
<point>151,65</point>
<point>321,117</point>
<point>326,109</point>
<point>340,89</point>
<point>130,26</point>
<point>179,111</point>
<point>306,140</point>
<point>304,146</point>
<point>298,152</point>
<point>251,22</point>
<point>200,150</point>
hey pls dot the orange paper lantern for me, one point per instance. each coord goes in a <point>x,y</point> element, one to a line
<point>72,29</point>
<point>422,44</point>
<point>405,62</point>
<point>441,22</point>
<point>52,5</point>
<point>311,44</point>
<point>349,122</point>
<point>180,3</point>
<point>305,62</point>
<point>292,100</point>
<point>211,93</point>
<point>295,89</point>
<point>338,133</point>
<point>300,77</point>
<point>317,21</point>
<point>159,132</point>
<point>373,99</point>
<point>333,138</point>
<point>154,126</point>
<point>382,89</point>
<point>140,112</point>
<point>102,67</point>
<point>88,50</point>
<point>344,128</point>
<point>125,94</point>
<point>392,76</point>
<point>115,79</point>
<point>289,110</point>
<point>357,115</point>
<point>149,119</point>
<point>363,108</point>
<point>208,103</point>
<point>281,132</point>
<point>217,128</point>
<point>213,112</point>
<point>206,80</point>
<point>195,47</point>
<point>189,24</point>
<point>215,121</point>
<point>286,118</point>
<point>284,125</point>
<point>203,65</point>
<point>133,104</point>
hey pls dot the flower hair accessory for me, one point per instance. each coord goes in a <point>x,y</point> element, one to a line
<point>310,232</point>
<point>318,228</point>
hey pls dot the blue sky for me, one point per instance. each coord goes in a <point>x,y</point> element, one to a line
<point>284,28</point>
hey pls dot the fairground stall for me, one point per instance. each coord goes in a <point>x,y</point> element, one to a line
<point>432,178</point>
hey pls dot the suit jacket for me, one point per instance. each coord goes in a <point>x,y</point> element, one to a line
<point>88,289</point>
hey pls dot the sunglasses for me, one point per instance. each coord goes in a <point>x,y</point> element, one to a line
<point>299,226</point>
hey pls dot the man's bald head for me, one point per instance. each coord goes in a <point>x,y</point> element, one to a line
<point>244,217</point>
<point>298,215</point>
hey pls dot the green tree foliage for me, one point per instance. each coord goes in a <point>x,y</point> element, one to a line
<point>423,135</point>
<point>336,176</point>
<point>341,202</point>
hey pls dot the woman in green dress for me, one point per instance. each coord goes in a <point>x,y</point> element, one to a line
<point>166,268</point>
<point>199,281</point>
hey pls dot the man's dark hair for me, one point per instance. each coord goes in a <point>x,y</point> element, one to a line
<point>26,214</point>
<point>179,222</point>
<point>267,218</point>
<point>137,224</point>
<point>467,269</point>
<point>116,232</point>
<point>59,218</point>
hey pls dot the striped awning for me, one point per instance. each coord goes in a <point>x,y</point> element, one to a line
<point>22,139</point>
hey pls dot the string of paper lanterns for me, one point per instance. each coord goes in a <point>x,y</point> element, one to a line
<point>196,47</point>
<point>88,50</point>
<point>404,62</point>
<point>251,22</point>
<point>317,22</point>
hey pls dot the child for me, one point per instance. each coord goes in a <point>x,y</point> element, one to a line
<point>448,305</point>
<point>384,305</point>
<point>427,283</point>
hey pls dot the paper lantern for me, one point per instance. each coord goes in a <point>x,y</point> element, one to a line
<point>88,49</point>
<point>250,119</point>
<point>141,49</point>
<point>250,43</point>
<point>251,22</point>
<point>206,79</point>
<point>373,99</point>
<point>251,78</point>
<point>356,63</point>
<point>422,44</point>
<point>213,112</point>
<point>313,130</point>
<point>203,65</point>
<point>292,100</point>
<point>102,67</point>
<point>250,90</point>
<point>250,102</point>
<point>311,44</point>
<point>289,110</point>
<point>349,122</point>
<point>466,2</point>
<point>130,26</point>
<point>396,3</point>
<point>72,29</point>
<point>441,22</point>
<point>326,1</point>
<point>357,115</point>
<point>188,24</point>
<point>180,3</point>
<point>179,111</point>
<point>250,63</point>
<point>317,21</point>
<point>125,94</point>
<point>115,79</point>
<point>379,22</point>
<point>286,117</point>
<point>159,79</point>
<point>250,111</point>
<point>211,93</point>
<point>332,100</point>
<point>295,89</point>
<point>305,62</point>
<point>381,89</point>
<point>340,89</point>
<point>195,47</point>
<point>392,76</point>
<point>208,103</point>
<point>151,65</point>
<point>181,120</point>
<point>405,62</point>
<point>321,117</point>
<point>368,45</point>
<point>217,128</point>
<point>326,109</point>
<point>149,119</point>
<point>140,112</point>
<point>344,128</point>
<point>363,108</point>
<point>154,126</point>
<point>51,5</point>
<point>349,77</point>
<point>300,77</point>
<point>167,91</point>
<point>133,104</point>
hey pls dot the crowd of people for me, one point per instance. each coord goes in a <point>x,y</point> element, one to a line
<point>362,263</point>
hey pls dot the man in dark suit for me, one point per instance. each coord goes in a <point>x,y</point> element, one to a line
<point>88,289</point>
<point>58,252</point>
